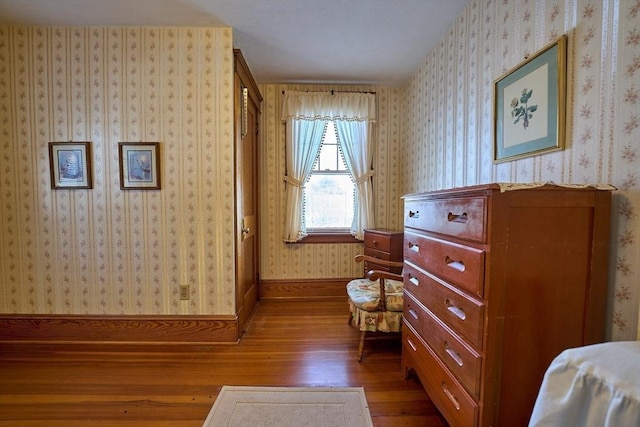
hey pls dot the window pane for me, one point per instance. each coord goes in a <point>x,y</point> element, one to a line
<point>330,134</point>
<point>329,201</point>
<point>328,157</point>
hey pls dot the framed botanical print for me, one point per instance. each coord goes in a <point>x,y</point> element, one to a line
<point>530,103</point>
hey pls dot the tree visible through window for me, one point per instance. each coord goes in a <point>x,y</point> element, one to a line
<point>329,193</point>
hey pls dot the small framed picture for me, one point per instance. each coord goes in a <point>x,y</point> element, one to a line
<point>139,165</point>
<point>70,165</point>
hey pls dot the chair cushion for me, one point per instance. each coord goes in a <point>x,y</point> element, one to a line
<point>375,321</point>
<point>365,294</point>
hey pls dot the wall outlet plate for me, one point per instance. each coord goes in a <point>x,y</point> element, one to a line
<point>184,292</point>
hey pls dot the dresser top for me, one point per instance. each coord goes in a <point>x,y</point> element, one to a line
<point>382,230</point>
<point>503,187</point>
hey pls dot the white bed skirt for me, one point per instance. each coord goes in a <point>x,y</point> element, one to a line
<point>596,385</point>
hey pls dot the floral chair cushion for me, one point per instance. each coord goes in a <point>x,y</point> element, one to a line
<point>365,294</point>
<point>364,297</point>
<point>374,321</point>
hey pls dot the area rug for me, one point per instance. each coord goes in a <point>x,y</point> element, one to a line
<point>289,407</point>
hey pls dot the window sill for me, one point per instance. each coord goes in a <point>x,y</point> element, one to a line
<point>329,238</point>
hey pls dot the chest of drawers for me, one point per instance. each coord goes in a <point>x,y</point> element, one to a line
<point>497,283</point>
<point>382,243</point>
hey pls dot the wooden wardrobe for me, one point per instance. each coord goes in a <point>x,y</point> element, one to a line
<point>247,101</point>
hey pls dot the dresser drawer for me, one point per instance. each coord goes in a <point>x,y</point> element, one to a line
<point>460,265</point>
<point>463,362</point>
<point>462,314</point>
<point>447,394</point>
<point>464,217</point>
<point>383,241</point>
<point>378,254</point>
<point>383,244</point>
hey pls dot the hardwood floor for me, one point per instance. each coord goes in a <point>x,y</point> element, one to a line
<point>287,343</point>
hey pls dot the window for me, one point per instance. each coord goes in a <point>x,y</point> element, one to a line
<point>329,193</point>
<point>306,115</point>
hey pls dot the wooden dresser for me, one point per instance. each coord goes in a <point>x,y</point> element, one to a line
<point>496,285</point>
<point>384,244</point>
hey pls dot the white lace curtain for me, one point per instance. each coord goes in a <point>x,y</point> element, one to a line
<point>306,114</point>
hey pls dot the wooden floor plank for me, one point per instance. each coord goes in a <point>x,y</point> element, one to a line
<point>287,343</point>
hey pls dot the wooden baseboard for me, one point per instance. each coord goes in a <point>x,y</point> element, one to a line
<point>304,288</point>
<point>145,329</point>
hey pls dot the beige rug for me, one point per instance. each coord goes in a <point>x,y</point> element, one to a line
<point>290,407</point>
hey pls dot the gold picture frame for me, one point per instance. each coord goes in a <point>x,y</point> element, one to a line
<point>530,105</point>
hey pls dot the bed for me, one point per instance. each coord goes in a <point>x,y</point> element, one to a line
<point>596,385</point>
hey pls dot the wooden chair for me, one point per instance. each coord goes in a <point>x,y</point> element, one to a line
<point>375,302</point>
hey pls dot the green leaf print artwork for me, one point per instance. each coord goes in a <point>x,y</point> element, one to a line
<point>521,110</point>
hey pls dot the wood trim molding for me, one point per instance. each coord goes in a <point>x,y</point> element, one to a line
<point>164,329</point>
<point>305,288</point>
<point>243,71</point>
<point>327,238</point>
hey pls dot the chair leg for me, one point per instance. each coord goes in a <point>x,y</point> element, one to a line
<point>361,346</point>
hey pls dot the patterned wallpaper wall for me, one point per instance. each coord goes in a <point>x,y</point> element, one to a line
<point>448,117</point>
<point>126,252</point>
<point>106,250</point>
<point>281,261</point>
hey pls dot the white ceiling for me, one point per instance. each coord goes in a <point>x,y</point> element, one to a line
<point>284,41</point>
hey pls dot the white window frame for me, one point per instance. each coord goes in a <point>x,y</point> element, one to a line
<point>319,169</point>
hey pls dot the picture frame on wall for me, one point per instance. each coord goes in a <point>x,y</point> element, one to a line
<point>70,165</point>
<point>530,105</point>
<point>139,165</point>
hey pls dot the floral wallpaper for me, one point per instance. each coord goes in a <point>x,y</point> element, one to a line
<point>108,251</point>
<point>105,250</point>
<point>447,119</point>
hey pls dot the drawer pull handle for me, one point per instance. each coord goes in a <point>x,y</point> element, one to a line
<point>413,214</point>
<point>375,243</point>
<point>413,347</point>
<point>413,313</point>
<point>455,356</point>
<point>457,265</point>
<point>451,397</point>
<point>414,248</point>
<point>457,311</point>
<point>414,281</point>
<point>463,218</point>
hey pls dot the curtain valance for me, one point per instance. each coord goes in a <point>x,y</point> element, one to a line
<point>329,106</point>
